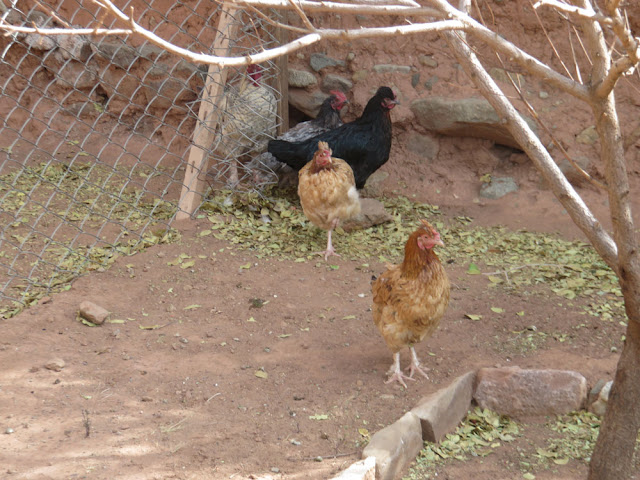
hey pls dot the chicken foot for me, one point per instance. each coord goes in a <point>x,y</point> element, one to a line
<point>415,365</point>
<point>395,372</point>
<point>330,251</point>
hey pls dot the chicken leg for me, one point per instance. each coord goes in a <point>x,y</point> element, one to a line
<point>415,365</point>
<point>330,251</point>
<point>395,372</point>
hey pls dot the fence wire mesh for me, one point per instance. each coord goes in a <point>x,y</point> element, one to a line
<point>96,132</point>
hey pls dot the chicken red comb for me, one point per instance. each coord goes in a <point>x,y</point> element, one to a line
<point>339,95</point>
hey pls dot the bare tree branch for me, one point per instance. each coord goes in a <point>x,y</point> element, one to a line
<point>305,40</point>
<point>303,16</point>
<point>379,8</point>
<point>526,61</point>
<point>553,47</point>
<point>574,11</point>
<point>563,190</point>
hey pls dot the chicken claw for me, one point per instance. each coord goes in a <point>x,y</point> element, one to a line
<point>415,365</point>
<point>395,373</point>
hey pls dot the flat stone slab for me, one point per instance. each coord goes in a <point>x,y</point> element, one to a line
<point>362,470</point>
<point>513,391</point>
<point>395,446</point>
<point>441,412</point>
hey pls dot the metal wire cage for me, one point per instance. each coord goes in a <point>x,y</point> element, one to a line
<point>96,131</point>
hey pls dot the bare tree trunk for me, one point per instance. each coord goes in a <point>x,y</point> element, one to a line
<point>612,457</point>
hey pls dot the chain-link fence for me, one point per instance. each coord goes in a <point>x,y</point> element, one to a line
<point>96,132</point>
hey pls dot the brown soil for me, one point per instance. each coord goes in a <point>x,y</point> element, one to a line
<point>183,399</point>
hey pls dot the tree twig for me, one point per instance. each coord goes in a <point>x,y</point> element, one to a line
<point>303,16</point>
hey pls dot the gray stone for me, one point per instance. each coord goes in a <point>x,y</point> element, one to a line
<point>599,406</point>
<point>388,68</point>
<point>543,95</point>
<point>318,61</point>
<point>415,79</point>
<point>153,52</point>
<point>514,391</point>
<point>301,78</point>
<point>35,40</point>
<point>305,101</point>
<point>588,136</point>
<point>40,42</point>
<point>498,187</point>
<point>336,82</point>
<point>427,61</point>
<point>395,446</point>
<point>116,52</point>
<point>441,412</point>
<point>92,312</point>
<point>425,146</point>
<point>76,75</point>
<point>468,117</point>
<point>372,213</point>
<point>76,47</point>
<point>362,470</point>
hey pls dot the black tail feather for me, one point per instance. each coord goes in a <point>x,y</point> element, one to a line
<point>293,154</point>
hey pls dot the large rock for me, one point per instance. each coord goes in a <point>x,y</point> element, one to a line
<point>467,117</point>
<point>516,392</point>
<point>301,78</point>
<point>116,53</point>
<point>372,213</point>
<point>498,187</point>
<point>441,412</point>
<point>395,446</point>
<point>336,82</point>
<point>307,102</point>
<point>318,61</point>
<point>363,470</point>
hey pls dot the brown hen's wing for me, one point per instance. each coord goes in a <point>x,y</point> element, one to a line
<point>407,310</point>
<point>385,315</point>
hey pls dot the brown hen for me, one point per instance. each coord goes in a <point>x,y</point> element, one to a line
<point>327,192</point>
<point>410,299</point>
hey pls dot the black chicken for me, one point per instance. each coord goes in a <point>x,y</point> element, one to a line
<point>364,143</point>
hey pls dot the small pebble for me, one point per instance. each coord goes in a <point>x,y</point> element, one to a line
<point>275,469</point>
<point>56,365</point>
<point>9,431</point>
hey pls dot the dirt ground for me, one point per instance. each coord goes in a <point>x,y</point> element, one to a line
<point>227,368</point>
<point>243,367</point>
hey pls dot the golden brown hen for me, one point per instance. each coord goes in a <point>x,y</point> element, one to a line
<point>327,192</point>
<point>410,299</point>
